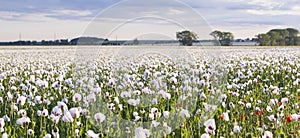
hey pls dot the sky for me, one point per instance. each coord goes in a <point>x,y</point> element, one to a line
<point>143,19</point>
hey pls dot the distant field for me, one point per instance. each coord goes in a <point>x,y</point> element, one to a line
<point>113,91</point>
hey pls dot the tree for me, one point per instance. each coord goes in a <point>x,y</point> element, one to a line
<point>225,38</point>
<point>186,37</point>
<point>293,33</point>
<point>279,37</point>
<point>135,41</point>
<point>264,39</point>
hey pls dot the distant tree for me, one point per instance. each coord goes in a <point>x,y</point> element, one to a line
<point>135,41</point>
<point>186,37</point>
<point>279,37</point>
<point>293,33</point>
<point>297,41</point>
<point>264,39</point>
<point>274,38</point>
<point>225,38</point>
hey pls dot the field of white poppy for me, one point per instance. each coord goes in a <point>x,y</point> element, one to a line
<point>227,92</point>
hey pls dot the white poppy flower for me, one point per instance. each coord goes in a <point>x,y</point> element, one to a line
<point>237,129</point>
<point>267,134</point>
<point>99,117</point>
<point>21,100</point>
<point>210,126</point>
<point>141,133</point>
<point>166,114</point>
<point>184,113</point>
<point>67,117</point>
<point>30,132</point>
<point>23,120</point>
<point>2,123</point>
<point>44,113</point>
<point>92,134</point>
<point>75,113</point>
<point>205,135</point>
<point>77,97</point>
<point>47,136</point>
<point>37,99</point>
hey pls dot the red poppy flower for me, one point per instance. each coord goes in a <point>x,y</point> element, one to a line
<point>179,105</point>
<point>288,119</point>
<point>221,117</point>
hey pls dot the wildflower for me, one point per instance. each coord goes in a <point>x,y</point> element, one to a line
<point>135,113</point>
<point>116,100</point>
<point>154,101</point>
<point>141,133</point>
<point>30,132</point>
<point>237,129</point>
<point>269,109</point>
<point>166,114</point>
<point>173,80</point>
<point>47,136</point>
<point>151,116</point>
<point>167,96</point>
<point>91,98</point>
<point>55,119</point>
<point>248,105</point>
<point>2,123</point>
<point>56,111</point>
<point>184,113</point>
<point>77,97</point>
<point>75,112</point>
<point>67,117</point>
<point>21,100</point>
<point>6,118</point>
<point>295,117</point>
<point>99,117</point>
<point>288,119</point>
<point>210,126</point>
<point>111,82</point>
<point>205,135</point>
<point>133,102</point>
<point>22,112</point>
<point>285,100</point>
<point>272,118</point>
<point>226,116</point>
<point>44,113</point>
<point>280,108</point>
<point>202,96</point>
<point>4,135</point>
<point>77,132</point>
<point>267,134</point>
<point>155,123</point>
<point>55,133</point>
<point>37,99</point>
<point>23,120</point>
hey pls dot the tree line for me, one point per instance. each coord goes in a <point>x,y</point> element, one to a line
<point>274,37</point>
<point>280,37</point>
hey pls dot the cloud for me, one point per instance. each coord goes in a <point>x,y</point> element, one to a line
<point>67,12</point>
<point>294,11</point>
<point>59,14</point>
<point>175,11</point>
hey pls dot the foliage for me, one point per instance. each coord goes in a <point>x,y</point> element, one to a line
<point>224,38</point>
<point>279,37</point>
<point>186,37</point>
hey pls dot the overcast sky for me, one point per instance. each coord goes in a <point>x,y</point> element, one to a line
<point>49,19</point>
